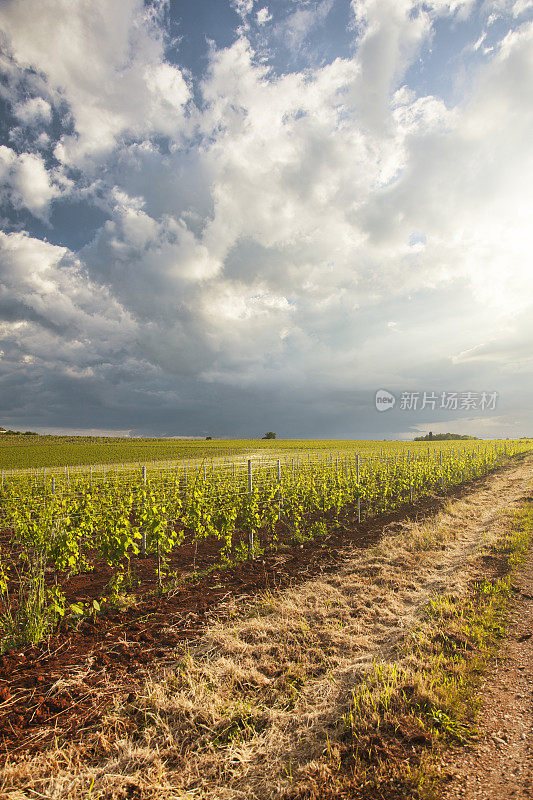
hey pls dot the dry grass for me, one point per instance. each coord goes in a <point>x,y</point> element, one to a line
<point>255,708</point>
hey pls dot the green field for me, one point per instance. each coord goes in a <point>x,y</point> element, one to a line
<point>22,452</point>
<point>36,452</point>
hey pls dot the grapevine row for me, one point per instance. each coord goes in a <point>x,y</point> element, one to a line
<point>69,526</point>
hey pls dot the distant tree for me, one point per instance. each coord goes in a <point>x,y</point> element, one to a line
<point>269,435</point>
<point>208,438</point>
<point>440,437</point>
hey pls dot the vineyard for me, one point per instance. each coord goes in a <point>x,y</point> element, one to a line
<point>31,452</point>
<point>52,452</point>
<point>193,518</point>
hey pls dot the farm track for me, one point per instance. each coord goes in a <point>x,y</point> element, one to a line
<point>64,689</point>
<point>500,762</point>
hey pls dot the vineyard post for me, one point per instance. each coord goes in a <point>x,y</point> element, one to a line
<point>278,471</point>
<point>251,531</point>
<point>346,467</point>
<point>143,533</point>
<point>358,497</point>
<point>53,485</point>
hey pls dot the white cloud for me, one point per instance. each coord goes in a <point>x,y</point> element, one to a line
<point>522,7</point>
<point>489,427</point>
<point>392,33</point>
<point>50,283</point>
<point>297,26</point>
<point>243,7</point>
<point>26,183</point>
<point>106,61</point>
<point>69,431</point>
<point>476,46</point>
<point>33,112</point>
<point>263,16</point>
<point>498,9</point>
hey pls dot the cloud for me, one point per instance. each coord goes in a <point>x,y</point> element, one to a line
<point>46,285</point>
<point>243,7</point>
<point>106,61</point>
<point>464,185</point>
<point>67,342</point>
<point>26,183</point>
<point>522,7</point>
<point>297,26</point>
<point>263,16</point>
<point>260,239</point>
<point>33,112</point>
<point>391,35</point>
<point>489,427</point>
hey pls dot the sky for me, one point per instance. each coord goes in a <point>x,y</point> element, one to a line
<point>229,217</point>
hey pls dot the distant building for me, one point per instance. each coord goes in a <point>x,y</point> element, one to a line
<point>3,430</point>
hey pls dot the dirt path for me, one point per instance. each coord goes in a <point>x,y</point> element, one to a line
<point>500,766</point>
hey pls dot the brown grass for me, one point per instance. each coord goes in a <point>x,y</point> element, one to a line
<point>253,708</point>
